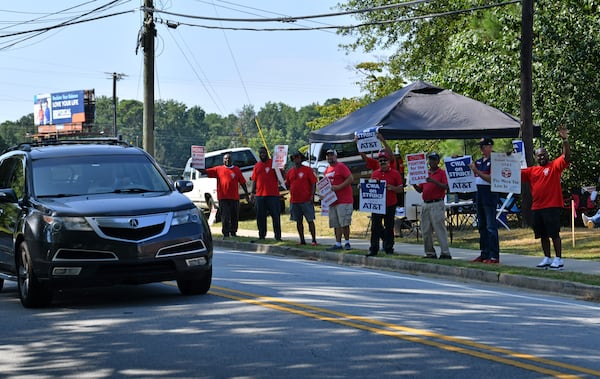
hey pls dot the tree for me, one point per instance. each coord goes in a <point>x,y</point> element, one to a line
<point>477,54</point>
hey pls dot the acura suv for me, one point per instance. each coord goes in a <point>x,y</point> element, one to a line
<point>84,213</point>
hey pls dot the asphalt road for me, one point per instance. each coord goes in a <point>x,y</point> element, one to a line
<point>274,317</point>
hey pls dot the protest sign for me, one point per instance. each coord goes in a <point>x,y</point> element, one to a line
<point>198,157</point>
<point>519,149</point>
<point>460,176</point>
<point>417,168</point>
<point>367,140</point>
<point>280,156</point>
<point>506,173</point>
<point>372,196</point>
<point>327,195</point>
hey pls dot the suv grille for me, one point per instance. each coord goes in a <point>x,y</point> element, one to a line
<point>133,234</point>
<point>132,228</point>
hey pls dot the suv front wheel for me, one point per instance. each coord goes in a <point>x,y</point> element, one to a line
<point>195,286</point>
<point>32,293</point>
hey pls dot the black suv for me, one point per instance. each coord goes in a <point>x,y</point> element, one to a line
<point>85,213</point>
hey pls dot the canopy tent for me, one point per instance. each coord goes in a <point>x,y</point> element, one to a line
<point>423,111</point>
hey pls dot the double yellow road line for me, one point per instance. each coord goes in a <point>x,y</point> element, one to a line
<point>425,337</point>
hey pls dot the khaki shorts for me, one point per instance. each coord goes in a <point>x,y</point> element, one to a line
<point>340,215</point>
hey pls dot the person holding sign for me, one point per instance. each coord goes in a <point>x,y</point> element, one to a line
<point>301,181</point>
<point>486,201</point>
<point>433,211</point>
<point>393,185</point>
<point>229,177</point>
<point>265,195</point>
<point>340,211</point>
<point>547,199</point>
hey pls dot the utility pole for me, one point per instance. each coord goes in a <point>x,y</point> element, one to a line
<point>149,33</point>
<point>115,77</point>
<point>527,98</point>
<point>526,78</point>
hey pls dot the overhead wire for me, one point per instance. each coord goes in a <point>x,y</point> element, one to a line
<point>205,83</point>
<point>235,64</point>
<point>291,18</point>
<point>354,26</point>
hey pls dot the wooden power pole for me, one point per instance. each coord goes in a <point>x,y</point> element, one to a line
<point>526,78</point>
<point>527,98</point>
<point>149,33</point>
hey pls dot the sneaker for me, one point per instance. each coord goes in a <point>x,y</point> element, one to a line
<point>445,256</point>
<point>430,256</point>
<point>347,246</point>
<point>478,259</point>
<point>492,261</point>
<point>557,263</point>
<point>587,221</point>
<point>545,262</point>
<point>334,247</point>
<point>313,243</point>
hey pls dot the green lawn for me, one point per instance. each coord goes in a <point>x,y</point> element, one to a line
<point>515,241</point>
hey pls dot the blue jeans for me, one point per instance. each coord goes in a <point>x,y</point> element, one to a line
<point>488,231</point>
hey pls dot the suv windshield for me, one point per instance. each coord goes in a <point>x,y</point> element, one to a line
<point>87,175</point>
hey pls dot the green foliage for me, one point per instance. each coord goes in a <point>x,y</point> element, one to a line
<point>478,54</point>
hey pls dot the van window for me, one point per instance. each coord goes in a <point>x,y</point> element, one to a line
<point>243,158</point>
<point>343,150</point>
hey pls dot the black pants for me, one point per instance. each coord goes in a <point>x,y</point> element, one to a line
<point>230,215</point>
<point>382,227</point>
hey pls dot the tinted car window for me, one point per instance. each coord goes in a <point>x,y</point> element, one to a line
<point>95,174</point>
<point>12,175</point>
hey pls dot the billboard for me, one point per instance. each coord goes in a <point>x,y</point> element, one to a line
<point>62,111</point>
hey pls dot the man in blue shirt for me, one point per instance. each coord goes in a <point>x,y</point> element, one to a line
<point>487,201</point>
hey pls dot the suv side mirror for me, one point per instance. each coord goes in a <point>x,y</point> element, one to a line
<point>8,195</point>
<point>183,186</point>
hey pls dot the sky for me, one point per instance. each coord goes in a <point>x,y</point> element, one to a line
<point>220,71</point>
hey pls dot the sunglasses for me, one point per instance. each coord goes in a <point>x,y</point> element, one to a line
<point>383,160</point>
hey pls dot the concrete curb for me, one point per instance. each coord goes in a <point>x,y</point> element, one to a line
<point>579,290</point>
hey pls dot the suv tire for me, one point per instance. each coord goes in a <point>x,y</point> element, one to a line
<point>195,286</point>
<point>32,293</point>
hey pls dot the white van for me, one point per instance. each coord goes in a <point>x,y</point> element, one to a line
<point>204,193</point>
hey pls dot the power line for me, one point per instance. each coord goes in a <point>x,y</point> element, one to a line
<point>354,26</point>
<point>293,18</point>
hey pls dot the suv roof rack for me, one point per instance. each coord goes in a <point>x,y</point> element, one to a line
<point>26,146</point>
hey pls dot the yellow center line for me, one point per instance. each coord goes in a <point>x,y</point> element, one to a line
<point>406,333</point>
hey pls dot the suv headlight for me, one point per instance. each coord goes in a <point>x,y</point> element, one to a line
<point>67,223</point>
<point>191,215</point>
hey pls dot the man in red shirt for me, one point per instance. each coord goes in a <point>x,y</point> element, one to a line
<point>301,181</point>
<point>340,212</point>
<point>433,211</point>
<point>229,177</point>
<point>548,202</point>
<point>265,195</point>
<point>393,185</point>
<point>395,162</point>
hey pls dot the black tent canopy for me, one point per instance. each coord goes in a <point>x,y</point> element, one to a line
<point>423,111</point>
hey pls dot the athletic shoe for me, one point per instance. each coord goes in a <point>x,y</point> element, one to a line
<point>557,263</point>
<point>334,247</point>
<point>347,246</point>
<point>587,221</point>
<point>545,263</point>
<point>430,256</point>
<point>445,256</point>
<point>492,261</point>
<point>314,243</point>
<point>478,259</point>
